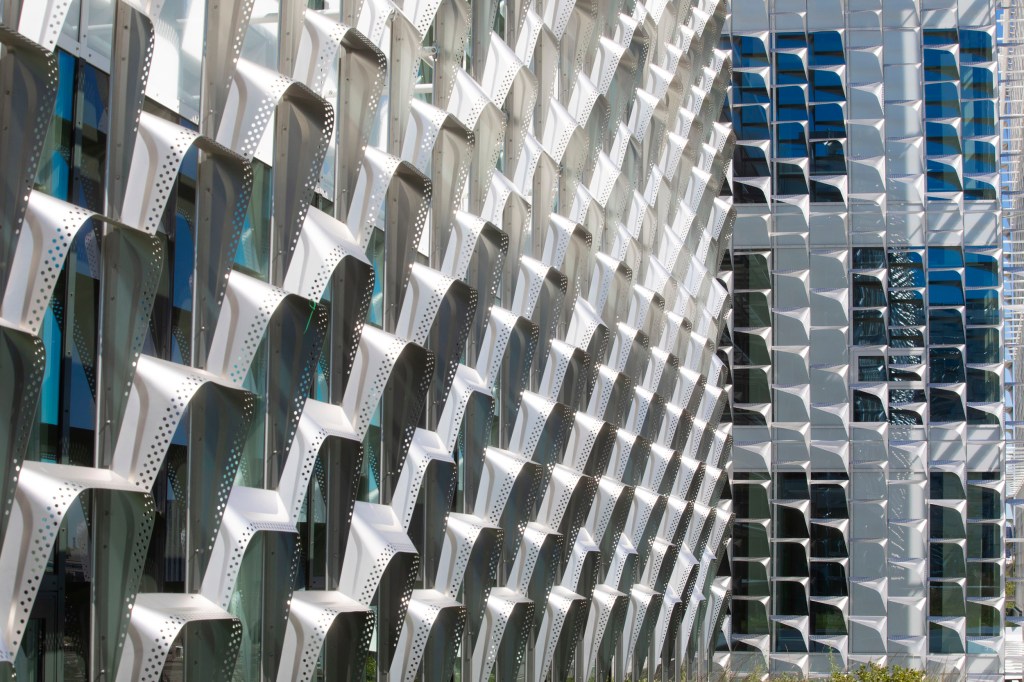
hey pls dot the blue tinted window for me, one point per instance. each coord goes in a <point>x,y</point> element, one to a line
<point>790,179</point>
<point>942,100</point>
<point>868,291</point>
<point>905,268</point>
<point>939,36</point>
<point>982,270</point>
<point>823,192</point>
<point>906,308</point>
<point>943,138</point>
<point>791,141</point>
<point>827,86</point>
<point>979,190</point>
<point>983,346</point>
<point>828,158</point>
<point>945,326</point>
<point>975,46</point>
<point>982,306</point>
<point>979,118</point>
<point>791,105</point>
<point>940,65</point>
<point>789,69</point>
<point>943,177</point>
<point>827,49</point>
<point>750,88</point>
<point>751,123</point>
<point>945,288</point>
<point>868,328</point>
<point>868,257</point>
<point>978,83</point>
<point>906,338</point>
<point>980,157</point>
<point>946,406</point>
<point>827,121</point>
<point>868,407</point>
<point>748,194</point>
<point>945,257</point>
<point>749,51</point>
<point>750,162</point>
<point>787,41</point>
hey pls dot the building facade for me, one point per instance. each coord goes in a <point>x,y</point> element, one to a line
<point>867,343</point>
<point>364,340</point>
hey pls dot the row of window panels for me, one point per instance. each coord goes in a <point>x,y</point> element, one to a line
<point>825,48</point>
<point>810,521</point>
<point>942,182</point>
<point>945,600</point>
<point>754,347</point>
<point>827,579</point>
<point>751,16</point>
<point>943,102</point>
<point>828,156</point>
<point>828,498</point>
<point>904,267</point>
<point>750,618</point>
<point>983,540</point>
<point>752,408</point>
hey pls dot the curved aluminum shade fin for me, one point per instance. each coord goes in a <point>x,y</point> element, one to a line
<point>512,87</point>
<point>248,511</point>
<point>565,505</point>
<point>566,143</point>
<point>437,313</point>
<point>28,77</point>
<point>641,617</point>
<point>568,375</point>
<point>437,143</point>
<point>431,633</point>
<point>567,249</point>
<point>465,426</point>
<point>541,430</point>
<point>511,212</point>
<point>396,375</point>
<point>452,26</point>
<point>506,356</point>
<point>392,195</point>
<point>590,445</point>
<point>476,254</point>
<point>329,48</point>
<point>327,622</point>
<point>328,259</point>
<point>469,563</point>
<point>387,27</point>
<point>588,332</point>
<point>509,489</point>
<point>304,123</point>
<point>157,622</point>
<point>131,262</point>
<point>44,494</point>
<point>23,359</point>
<point>561,627</point>
<point>540,293</point>
<point>473,106</point>
<point>161,392</point>
<point>611,395</point>
<point>225,187</point>
<point>504,635</point>
<point>428,475</point>
<point>380,565</point>
<point>608,516</point>
<point>535,567</point>
<point>604,628</point>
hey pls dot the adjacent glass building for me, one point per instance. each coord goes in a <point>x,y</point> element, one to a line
<point>868,476</point>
